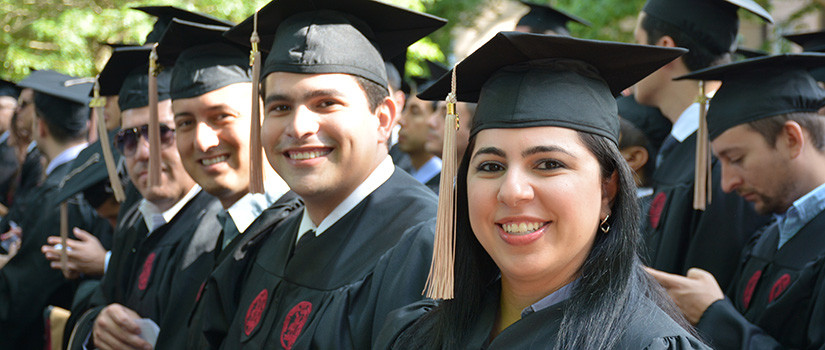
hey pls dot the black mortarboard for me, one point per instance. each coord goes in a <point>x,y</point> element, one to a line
<point>134,93</point>
<point>335,36</point>
<point>8,88</point>
<point>165,14</point>
<point>435,71</point>
<point>649,120</point>
<point>743,53</point>
<point>713,23</point>
<point>760,88</point>
<point>123,60</point>
<point>542,18</point>
<point>810,41</point>
<point>61,99</point>
<point>89,175</point>
<point>204,60</point>
<point>523,80</point>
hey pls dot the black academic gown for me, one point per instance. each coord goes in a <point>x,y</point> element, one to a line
<point>434,183</point>
<point>28,283</point>
<point>678,237</point>
<point>199,261</point>
<point>778,298</point>
<point>142,269</point>
<point>649,327</point>
<point>8,170</point>
<point>336,290</point>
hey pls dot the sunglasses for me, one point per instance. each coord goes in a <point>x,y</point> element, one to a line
<point>126,141</point>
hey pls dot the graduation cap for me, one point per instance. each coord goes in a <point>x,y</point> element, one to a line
<point>88,175</point>
<point>204,60</point>
<point>811,42</point>
<point>8,88</point>
<point>712,22</point>
<point>649,120</point>
<point>528,80</point>
<point>543,18</point>
<point>760,88</point>
<point>61,99</point>
<point>745,53</point>
<point>334,36</point>
<point>123,60</point>
<point>165,14</point>
<point>435,69</point>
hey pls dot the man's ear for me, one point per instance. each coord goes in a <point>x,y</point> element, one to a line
<point>40,128</point>
<point>636,157</point>
<point>610,187</point>
<point>386,113</point>
<point>792,138</point>
<point>666,41</point>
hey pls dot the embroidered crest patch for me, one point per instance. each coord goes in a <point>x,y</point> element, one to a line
<point>294,323</point>
<point>779,287</point>
<point>656,207</point>
<point>750,287</point>
<point>143,279</point>
<point>256,309</point>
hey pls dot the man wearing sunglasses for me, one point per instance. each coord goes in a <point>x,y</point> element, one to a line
<point>152,232</point>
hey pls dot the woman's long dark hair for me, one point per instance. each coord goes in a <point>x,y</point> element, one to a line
<point>611,278</point>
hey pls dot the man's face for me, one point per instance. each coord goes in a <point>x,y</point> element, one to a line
<point>111,113</point>
<point>320,134</point>
<point>757,171</point>
<point>646,89</point>
<point>435,136</point>
<point>174,181</point>
<point>8,105</point>
<point>213,139</point>
<point>413,134</point>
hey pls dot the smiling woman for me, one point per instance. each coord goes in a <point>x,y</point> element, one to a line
<point>546,247</point>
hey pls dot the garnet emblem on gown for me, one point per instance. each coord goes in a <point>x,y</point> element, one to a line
<point>294,323</point>
<point>146,272</point>
<point>750,287</point>
<point>256,309</point>
<point>656,206</point>
<point>779,287</point>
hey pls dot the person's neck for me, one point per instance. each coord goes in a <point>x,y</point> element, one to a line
<point>229,200</point>
<point>418,159</point>
<point>517,295</point>
<point>164,204</point>
<point>50,149</point>
<point>318,207</point>
<point>677,97</point>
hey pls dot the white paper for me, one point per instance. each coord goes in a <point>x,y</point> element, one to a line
<point>149,330</point>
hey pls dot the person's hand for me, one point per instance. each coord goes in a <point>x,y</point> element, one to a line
<point>86,255</point>
<point>13,249</point>
<point>116,328</point>
<point>693,293</point>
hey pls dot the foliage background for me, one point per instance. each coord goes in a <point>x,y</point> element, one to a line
<point>69,35</point>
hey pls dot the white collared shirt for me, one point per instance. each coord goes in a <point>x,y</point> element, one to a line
<point>4,137</point>
<point>427,171</point>
<point>154,218</point>
<point>244,211</point>
<point>378,177</point>
<point>64,157</point>
<point>687,123</point>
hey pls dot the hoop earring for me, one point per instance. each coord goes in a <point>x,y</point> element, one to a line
<point>604,226</point>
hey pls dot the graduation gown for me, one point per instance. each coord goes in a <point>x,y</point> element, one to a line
<point>199,261</point>
<point>8,170</point>
<point>678,237</point>
<point>336,290</point>
<point>649,327</point>
<point>778,298</point>
<point>142,269</point>
<point>28,283</point>
<point>434,183</point>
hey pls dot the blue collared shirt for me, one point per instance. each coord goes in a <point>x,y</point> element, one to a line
<point>800,213</point>
<point>554,298</point>
<point>427,171</point>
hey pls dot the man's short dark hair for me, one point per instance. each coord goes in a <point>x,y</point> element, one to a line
<point>60,133</point>
<point>699,57</point>
<point>375,92</point>
<point>813,123</point>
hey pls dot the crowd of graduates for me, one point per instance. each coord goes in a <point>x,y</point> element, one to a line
<point>282,183</point>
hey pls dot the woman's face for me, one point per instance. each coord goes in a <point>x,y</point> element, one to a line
<point>535,202</point>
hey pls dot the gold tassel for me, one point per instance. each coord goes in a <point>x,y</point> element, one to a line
<point>64,236</point>
<point>154,122</point>
<point>441,279</point>
<point>702,177</point>
<point>98,103</point>
<point>256,173</point>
